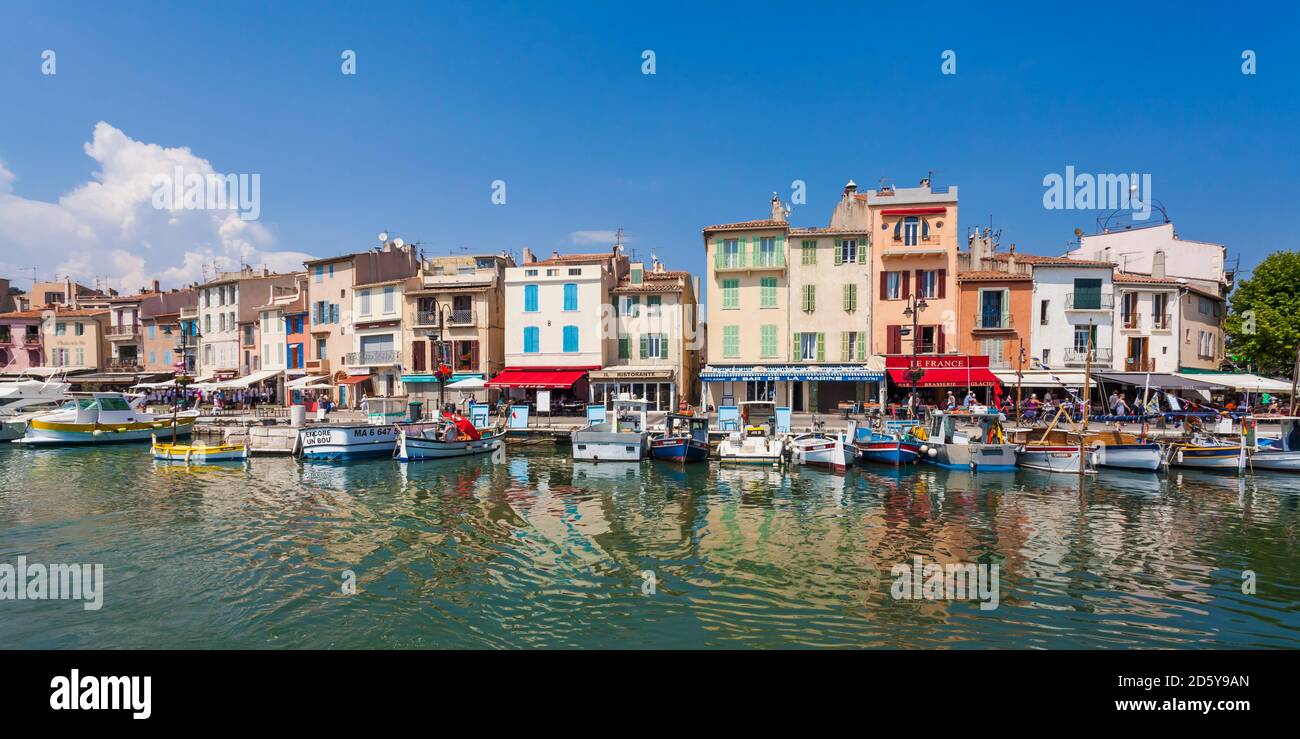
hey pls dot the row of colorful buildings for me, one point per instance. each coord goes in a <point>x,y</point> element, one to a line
<point>815,318</point>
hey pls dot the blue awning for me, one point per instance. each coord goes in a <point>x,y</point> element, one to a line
<point>429,377</point>
<point>818,373</point>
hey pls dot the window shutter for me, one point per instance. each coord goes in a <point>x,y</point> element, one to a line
<point>943,283</point>
<point>839,254</point>
<point>938,341</point>
<point>895,340</point>
<point>884,285</point>
<point>1006,309</point>
<point>920,283</point>
<point>862,346</point>
<point>780,251</point>
<point>741,247</point>
<point>663,346</point>
<point>417,354</point>
<point>846,297</point>
<point>844,346</point>
<point>645,345</point>
<point>795,353</point>
<point>821,347</point>
<point>717,253</point>
<point>473,355</point>
<point>907,289</point>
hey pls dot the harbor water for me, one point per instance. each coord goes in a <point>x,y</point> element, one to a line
<point>538,551</point>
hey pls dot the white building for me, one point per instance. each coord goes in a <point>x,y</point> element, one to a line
<point>1157,250</point>
<point>1147,313</point>
<point>1072,301</point>
<point>559,322</point>
<point>377,309</point>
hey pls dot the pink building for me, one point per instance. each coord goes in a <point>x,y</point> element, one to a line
<point>20,341</point>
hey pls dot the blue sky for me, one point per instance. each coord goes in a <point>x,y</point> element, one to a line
<point>550,98</point>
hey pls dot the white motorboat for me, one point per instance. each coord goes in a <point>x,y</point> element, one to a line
<point>103,418</point>
<point>757,440</point>
<point>1282,454</point>
<point>27,398</point>
<point>821,449</point>
<point>623,436</point>
<point>451,436</point>
<point>341,442</point>
<point>983,449</point>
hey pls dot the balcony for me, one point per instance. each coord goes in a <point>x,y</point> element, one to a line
<point>372,358</point>
<point>1162,323</point>
<point>992,322</point>
<point>747,260</point>
<point>462,317</point>
<point>1090,301</point>
<point>1079,357</point>
<point>123,365</point>
<point>32,340</point>
<point>123,332</point>
<point>317,366</point>
<point>1137,364</point>
<point>1130,322</point>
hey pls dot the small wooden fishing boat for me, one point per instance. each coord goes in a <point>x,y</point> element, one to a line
<point>685,439</point>
<point>756,441</point>
<point>342,442</point>
<point>1203,451</point>
<point>1063,455</point>
<point>886,447</point>
<point>198,453</point>
<point>451,436</point>
<point>821,449</point>
<point>1122,450</point>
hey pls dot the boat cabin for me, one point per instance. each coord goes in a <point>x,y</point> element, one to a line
<point>758,418</point>
<point>677,424</point>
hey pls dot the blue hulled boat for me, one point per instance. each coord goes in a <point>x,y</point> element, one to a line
<point>886,447</point>
<point>685,439</point>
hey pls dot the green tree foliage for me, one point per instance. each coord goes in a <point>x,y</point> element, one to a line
<point>1263,326</point>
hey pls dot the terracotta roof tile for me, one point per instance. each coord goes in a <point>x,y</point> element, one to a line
<point>992,275</point>
<point>746,224</point>
<point>1147,279</point>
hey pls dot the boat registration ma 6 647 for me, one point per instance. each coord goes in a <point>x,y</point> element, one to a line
<point>347,442</point>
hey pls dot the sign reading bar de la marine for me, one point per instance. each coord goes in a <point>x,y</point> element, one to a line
<point>945,361</point>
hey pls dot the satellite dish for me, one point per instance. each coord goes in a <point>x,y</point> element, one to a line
<point>398,242</point>
<point>383,236</point>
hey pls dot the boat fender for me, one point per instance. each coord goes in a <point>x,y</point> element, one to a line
<point>932,452</point>
<point>97,432</point>
<point>925,448</point>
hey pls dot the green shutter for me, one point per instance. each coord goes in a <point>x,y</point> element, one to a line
<point>645,345</point>
<point>663,346</point>
<point>780,251</point>
<point>862,346</point>
<point>821,347</point>
<point>839,255</point>
<point>844,346</point>
<point>717,253</point>
<point>741,247</point>
<point>812,298</point>
<point>794,347</point>
<point>1006,309</point>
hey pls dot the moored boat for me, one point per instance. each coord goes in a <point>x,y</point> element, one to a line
<point>1283,454</point>
<point>198,453</point>
<point>986,450</point>
<point>1057,457</point>
<point>757,440</point>
<point>822,449</point>
<point>1121,450</point>
<point>886,447</point>
<point>685,439</point>
<point>1203,451</point>
<point>453,435</point>
<point>342,442</point>
<point>621,437</point>
<point>25,399</point>
<point>101,418</point>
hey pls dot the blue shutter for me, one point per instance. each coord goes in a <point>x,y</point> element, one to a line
<point>570,296</point>
<point>571,339</point>
<point>530,298</point>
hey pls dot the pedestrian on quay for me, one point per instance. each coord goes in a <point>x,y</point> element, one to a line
<point>952,401</point>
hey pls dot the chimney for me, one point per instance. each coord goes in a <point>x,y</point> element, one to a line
<point>156,286</point>
<point>778,210</point>
<point>526,256</point>
<point>850,188</point>
<point>1158,263</point>
<point>555,254</point>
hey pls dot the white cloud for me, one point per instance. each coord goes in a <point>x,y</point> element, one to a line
<point>605,238</point>
<point>109,227</point>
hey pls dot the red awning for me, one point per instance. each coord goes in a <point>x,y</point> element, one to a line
<point>978,377</point>
<point>537,379</point>
<point>353,379</point>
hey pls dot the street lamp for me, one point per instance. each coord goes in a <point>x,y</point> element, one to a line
<point>913,310</point>
<point>439,343</point>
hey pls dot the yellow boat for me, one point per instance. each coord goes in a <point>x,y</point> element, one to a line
<point>199,453</point>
